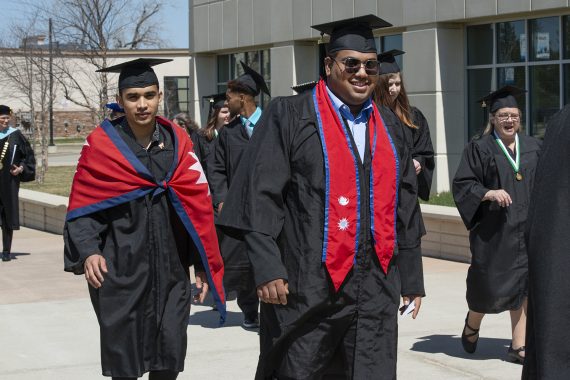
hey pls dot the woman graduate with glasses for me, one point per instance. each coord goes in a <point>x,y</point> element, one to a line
<point>491,189</point>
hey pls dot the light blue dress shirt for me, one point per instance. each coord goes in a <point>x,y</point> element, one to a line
<point>357,125</point>
<point>249,123</point>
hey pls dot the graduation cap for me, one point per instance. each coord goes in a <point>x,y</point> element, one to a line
<point>5,110</point>
<point>302,87</point>
<point>115,107</point>
<point>353,33</point>
<point>216,100</point>
<point>388,64</point>
<point>503,97</point>
<point>137,73</point>
<point>252,80</point>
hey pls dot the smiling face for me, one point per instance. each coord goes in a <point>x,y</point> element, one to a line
<point>223,116</point>
<point>352,89</point>
<point>506,122</point>
<point>4,122</point>
<point>140,105</point>
<point>394,86</point>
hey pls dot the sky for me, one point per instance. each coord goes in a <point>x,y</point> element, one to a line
<point>174,19</point>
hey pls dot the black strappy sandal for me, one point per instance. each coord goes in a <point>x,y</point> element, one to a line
<point>469,346</point>
<point>515,355</point>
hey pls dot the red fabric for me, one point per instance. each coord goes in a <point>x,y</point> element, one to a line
<point>341,225</point>
<point>104,173</point>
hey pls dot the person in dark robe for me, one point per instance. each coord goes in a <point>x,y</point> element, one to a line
<point>17,164</point>
<point>205,138</point>
<point>233,139</point>
<point>139,215</point>
<point>491,189</point>
<point>321,199</point>
<point>548,329</point>
<point>391,92</point>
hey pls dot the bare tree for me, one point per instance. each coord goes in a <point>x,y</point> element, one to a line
<point>89,29</point>
<point>26,74</point>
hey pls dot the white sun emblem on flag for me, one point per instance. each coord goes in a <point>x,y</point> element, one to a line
<point>197,167</point>
<point>343,224</point>
<point>343,201</point>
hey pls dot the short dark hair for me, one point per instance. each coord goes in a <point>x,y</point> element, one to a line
<point>236,86</point>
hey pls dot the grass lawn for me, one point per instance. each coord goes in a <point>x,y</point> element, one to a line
<point>441,199</point>
<point>57,181</point>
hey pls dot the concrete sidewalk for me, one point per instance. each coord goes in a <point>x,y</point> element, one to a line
<point>48,330</point>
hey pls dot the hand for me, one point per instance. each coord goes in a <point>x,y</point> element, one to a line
<point>220,205</point>
<point>275,292</point>
<point>94,267</point>
<point>16,170</point>
<point>418,166</point>
<point>406,300</point>
<point>500,196</point>
<point>202,284</point>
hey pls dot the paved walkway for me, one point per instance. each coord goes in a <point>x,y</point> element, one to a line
<point>48,330</point>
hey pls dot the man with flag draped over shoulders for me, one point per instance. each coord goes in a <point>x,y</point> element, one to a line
<point>139,215</point>
<point>323,198</point>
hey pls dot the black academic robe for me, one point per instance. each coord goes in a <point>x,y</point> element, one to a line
<point>18,152</point>
<point>497,279</point>
<point>229,147</point>
<point>422,151</point>
<point>548,323</point>
<point>278,201</point>
<point>144,302</point>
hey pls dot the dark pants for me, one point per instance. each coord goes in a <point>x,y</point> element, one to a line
<point>154,375</point>
<point>248,302</point>
<point>7,232</point>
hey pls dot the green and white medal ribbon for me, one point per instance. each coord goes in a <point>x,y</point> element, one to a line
<point>514,163</point>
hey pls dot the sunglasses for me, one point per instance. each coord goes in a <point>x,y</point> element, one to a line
<point>353,65</point>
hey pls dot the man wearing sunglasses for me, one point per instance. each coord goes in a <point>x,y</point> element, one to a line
<point>319,195</point>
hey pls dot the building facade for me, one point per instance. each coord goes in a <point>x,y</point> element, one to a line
<point>456,52</point>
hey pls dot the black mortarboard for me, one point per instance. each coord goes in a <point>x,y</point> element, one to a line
<point>216,101</point>
<point>353,33</point>
<point>115,107</point>
<point>388,64</point>
<point>503,97</point>
<point>137,73</point>
<point>252,80</point>
<point>5,110</point>
<point>302,87</point>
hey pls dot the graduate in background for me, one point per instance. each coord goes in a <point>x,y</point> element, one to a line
<point>139,215</point>
<point>17,164</point>
<point>318,198</point>
<point>548,246</point>
<point>232,141</point>
<point>491,189</point>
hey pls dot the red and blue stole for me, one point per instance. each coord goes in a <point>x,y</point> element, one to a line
<point>343,193</point>
<point>109,174</point>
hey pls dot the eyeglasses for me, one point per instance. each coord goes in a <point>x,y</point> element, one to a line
<point>506,116</point>
<point>353,65</point>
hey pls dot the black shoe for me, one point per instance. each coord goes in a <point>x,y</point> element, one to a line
<point>250,322</point>
<point>6,256</point>
<point>469,346</point>
<point>515,355</point>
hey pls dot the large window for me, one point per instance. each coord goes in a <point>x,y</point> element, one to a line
<point>533,54</point>
<point>229,67</point>
<point>391,42</point>
<point>176,95</point>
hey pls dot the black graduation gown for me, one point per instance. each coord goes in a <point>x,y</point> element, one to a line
<point>20,150</point>
<point>144,302</point>
<point>497,279</point>
<point>422,151</point>
<point>229,147</point>
<point>278,200</point>
<point>548,246</point>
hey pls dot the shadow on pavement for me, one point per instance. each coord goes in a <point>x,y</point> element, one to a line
<point>211,319</point>
<point>487,348</point>
<point>15,255</point>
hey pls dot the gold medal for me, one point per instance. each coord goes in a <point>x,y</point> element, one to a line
<point>519,177</point>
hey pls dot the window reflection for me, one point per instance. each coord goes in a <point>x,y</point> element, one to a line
<point>545,39</point>
<point>511,42</point>
<point>479,82</point>
<point>480,44</point>
<point>545,95</point>
<point>176,95</point>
